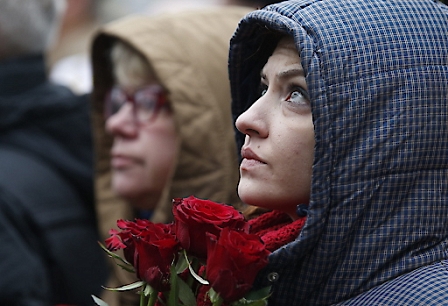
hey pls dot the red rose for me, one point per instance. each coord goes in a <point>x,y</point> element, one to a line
<point>149,247</point>
<point>123,239</point>
<point>155,249</point>
<point>195,217</point>
<point>119,239</point>
<point>234,259</point>
<point>114,242</point>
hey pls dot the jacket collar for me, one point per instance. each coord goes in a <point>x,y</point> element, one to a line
<point>21,73</point>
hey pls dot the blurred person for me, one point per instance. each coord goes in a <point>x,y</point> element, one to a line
<point>48,231</point>
<point>161,117</point>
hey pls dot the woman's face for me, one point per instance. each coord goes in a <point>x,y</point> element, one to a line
<point>278,150</point>
<point>143,153</point>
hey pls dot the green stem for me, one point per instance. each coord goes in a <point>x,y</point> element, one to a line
<point>152,298</point>
<point>218,301</point>
<point>142,297</point>
<point>215,298</point>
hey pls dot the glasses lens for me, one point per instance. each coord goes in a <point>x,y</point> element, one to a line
<point>147,101</point>
<point>115,100</point>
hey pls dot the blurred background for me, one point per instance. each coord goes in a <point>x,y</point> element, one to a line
<point>68,60</point>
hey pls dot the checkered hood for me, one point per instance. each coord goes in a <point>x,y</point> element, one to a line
<point>377,74</point>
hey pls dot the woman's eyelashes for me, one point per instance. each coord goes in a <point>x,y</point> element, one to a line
<point>297,95</point>
<point>294,94</point>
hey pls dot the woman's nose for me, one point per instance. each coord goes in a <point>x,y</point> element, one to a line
<point>254,120</point>
<point>122,123</point>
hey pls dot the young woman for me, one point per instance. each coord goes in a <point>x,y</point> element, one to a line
<point>341,108</point>
<point>162,115</point>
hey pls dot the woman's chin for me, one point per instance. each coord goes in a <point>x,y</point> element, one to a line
<point>253,198</point>
<point>125,188</point>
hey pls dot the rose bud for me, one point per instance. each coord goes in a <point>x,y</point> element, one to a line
<point>195,217</point>
<point>234,260</point>
<point>156,249</point>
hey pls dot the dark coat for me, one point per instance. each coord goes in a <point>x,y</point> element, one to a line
<point>48,235</point>
<point>377,76</point>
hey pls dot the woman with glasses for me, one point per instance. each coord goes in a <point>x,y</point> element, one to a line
<point>161,114</point>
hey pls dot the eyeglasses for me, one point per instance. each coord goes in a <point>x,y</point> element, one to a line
<point>146,102</point>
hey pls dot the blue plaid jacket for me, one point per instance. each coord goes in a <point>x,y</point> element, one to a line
<point>377,75</point>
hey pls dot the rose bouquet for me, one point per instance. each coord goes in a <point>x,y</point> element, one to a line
<point>205,257</point>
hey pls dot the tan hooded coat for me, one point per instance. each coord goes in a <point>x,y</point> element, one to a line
<point>188,52</point>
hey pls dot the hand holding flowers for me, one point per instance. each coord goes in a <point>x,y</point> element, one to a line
<point>205,257</point>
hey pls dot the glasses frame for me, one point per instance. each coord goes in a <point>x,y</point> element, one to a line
<point>158,91</point>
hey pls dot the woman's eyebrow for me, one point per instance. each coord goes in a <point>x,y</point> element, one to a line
<point>286,74</point>
<point>293,72</point>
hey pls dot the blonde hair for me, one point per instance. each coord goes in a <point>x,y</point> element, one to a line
<point>129,66</point>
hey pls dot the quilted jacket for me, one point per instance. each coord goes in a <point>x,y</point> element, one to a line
<point>377,76</point>
<point>188,52</point>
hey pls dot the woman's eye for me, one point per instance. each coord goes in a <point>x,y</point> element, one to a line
<point>298,96</point>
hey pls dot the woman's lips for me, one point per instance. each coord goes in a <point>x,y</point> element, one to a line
<point>250,159</point>
<point>121,161</point>
<point>250,163</point>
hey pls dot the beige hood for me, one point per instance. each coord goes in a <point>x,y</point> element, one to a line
<point>188,51</point>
